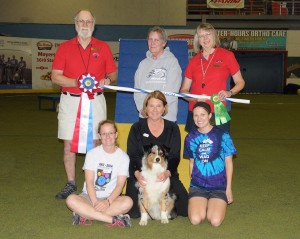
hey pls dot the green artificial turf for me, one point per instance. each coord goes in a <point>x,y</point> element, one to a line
<point>266,182</point>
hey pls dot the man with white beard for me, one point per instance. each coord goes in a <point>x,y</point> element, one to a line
<point>82,58</point>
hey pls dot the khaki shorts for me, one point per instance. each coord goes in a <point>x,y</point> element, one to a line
<point>68,107</point>
<point>86,196</point>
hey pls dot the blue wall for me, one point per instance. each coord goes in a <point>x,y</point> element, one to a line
<point>67,31</point>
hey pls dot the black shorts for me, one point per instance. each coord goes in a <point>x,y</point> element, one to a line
<point>200,192</point>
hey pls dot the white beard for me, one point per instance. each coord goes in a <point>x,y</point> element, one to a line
<point>84,32</point>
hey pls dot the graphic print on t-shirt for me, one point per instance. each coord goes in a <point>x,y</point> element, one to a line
<point>104,172</point>
<point>204,150</point>
<point>157,75</point>
<point>207,159</point>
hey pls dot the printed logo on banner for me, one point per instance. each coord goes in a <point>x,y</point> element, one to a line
<point>44,45</point>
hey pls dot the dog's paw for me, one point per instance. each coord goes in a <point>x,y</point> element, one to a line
<point>143,222</point>
<point>144,219</point>
<point>164,221</point>
<point>164,218</point>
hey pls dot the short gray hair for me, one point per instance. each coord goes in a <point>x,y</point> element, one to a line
<point>77,13</point>
<point>160,31</point>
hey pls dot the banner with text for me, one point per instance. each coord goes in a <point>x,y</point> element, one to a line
<point>225,4</point>
<point>253,39</point>
<point>238,39</point>
<point>43,52</point>
<point>26,63</point>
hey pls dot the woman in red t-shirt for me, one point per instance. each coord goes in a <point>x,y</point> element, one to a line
<point>208,71</point>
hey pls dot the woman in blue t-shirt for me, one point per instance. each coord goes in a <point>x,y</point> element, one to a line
<point>210,151</point>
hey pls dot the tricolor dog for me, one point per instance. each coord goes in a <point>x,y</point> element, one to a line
<point>155,201</point>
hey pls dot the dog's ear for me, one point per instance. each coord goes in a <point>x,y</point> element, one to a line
<point>147,148</point>
<point>165,149</point>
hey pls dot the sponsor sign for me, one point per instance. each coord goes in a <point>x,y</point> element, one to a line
<point>43,52</point>
<point>253,39</point>
<point>225,4</point>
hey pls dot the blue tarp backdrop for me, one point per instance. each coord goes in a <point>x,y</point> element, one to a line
<point>131,53</point>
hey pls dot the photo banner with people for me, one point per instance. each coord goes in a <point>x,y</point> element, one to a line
<point>25,64</point>
<point>15,63</point>
<point>132,52</point>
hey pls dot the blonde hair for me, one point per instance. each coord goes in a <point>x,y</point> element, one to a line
<point>156,95</point>
<point>207,27</point>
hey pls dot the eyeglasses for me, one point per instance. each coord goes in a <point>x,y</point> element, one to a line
<point>108,134</point>
<point>87,22</point>
<point>204,35</point>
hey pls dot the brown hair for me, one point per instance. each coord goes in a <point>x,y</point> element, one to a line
<point>103,122</point>
<point>156,95</point>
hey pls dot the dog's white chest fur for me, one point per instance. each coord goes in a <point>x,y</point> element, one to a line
<point>154,198</point>
<point>153,187</point>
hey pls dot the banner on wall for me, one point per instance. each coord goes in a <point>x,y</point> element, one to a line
<point>43,52</point>
<point>15,63</point>
<point>238,39</point>
<point>225,4</point>
<point>26,63</point>
<point>253,39</point>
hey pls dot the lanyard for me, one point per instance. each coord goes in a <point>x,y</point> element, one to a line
<point>85,66</point>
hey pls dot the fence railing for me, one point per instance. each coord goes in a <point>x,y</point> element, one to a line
<point>251,7</point>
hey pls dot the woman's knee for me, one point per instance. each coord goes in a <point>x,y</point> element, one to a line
<point>128,202</point>
<point>71,201</point>
<point>196,219</point>
<point>216,221</point>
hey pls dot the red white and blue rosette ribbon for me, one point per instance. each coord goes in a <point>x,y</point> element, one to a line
<point>82,140</point>
<point>88,84</point>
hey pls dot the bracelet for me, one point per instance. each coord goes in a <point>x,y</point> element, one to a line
<point>231,93</point>
<point>108,201</point>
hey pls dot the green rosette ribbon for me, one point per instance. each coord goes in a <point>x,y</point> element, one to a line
<point>221,114</point>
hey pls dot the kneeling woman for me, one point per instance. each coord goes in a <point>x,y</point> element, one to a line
<point>155,130</point>
<point>210,151</point>
<point>106,171</point>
